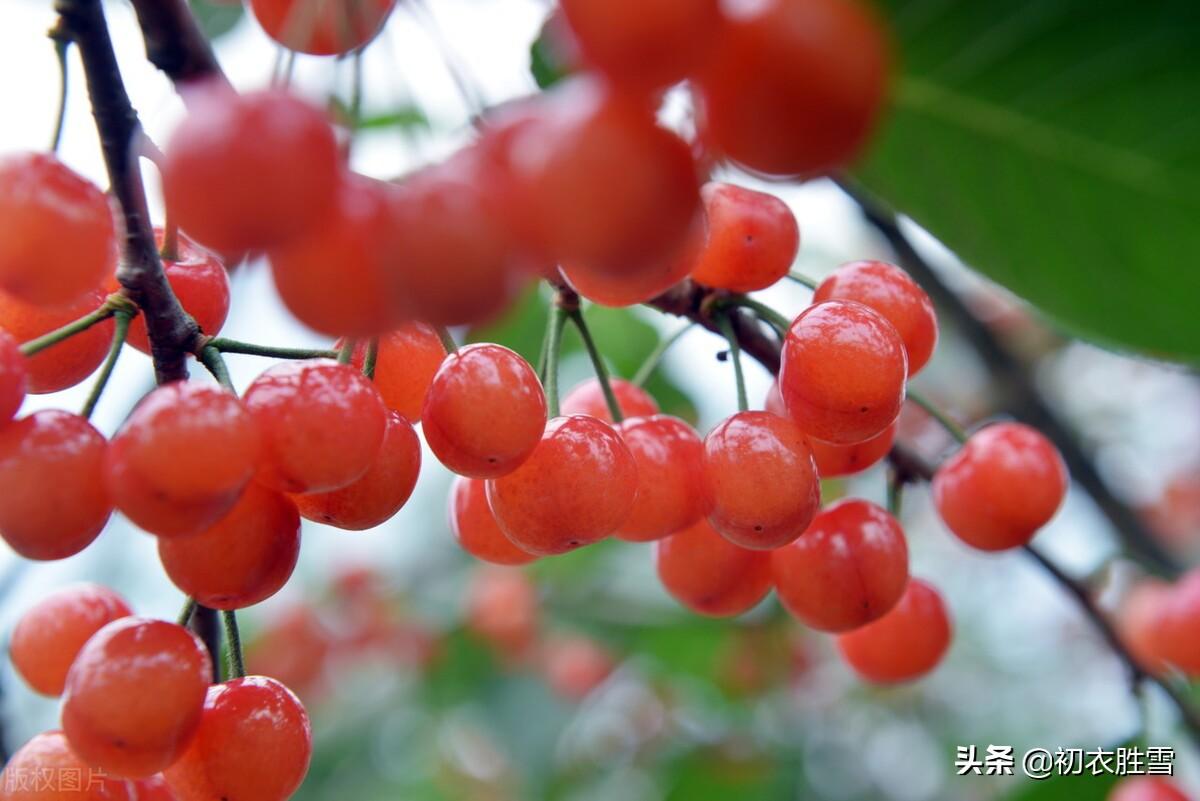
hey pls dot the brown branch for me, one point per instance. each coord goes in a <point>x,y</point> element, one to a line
<point>174,42</point>
<point>695,302</point>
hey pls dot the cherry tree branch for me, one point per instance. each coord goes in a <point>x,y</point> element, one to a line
<point>174,42</point>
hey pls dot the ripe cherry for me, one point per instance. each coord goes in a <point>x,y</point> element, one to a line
<point>54,501</point>
<point>890,291</point>
<point>154,788</point>
<point>651,280</point>
<point>46,769</point>
<point>47,638</point>
<point>576,665</point>
<point>760,480</point>
<point>1146,788</point>
<point>709,574</point>
<point>751,239</point>
<point>134,695</point>
<point>1141,622</point>
<point>405,364</point>
<point>793,87</point>
<point>379,493</point>
<point>231,174</point>
<point>68,362</point>
<point>843,371</point>
<point>244,558</point>
<point>321,28</point>
<point>588,398</point>
<point>670,470</point>
<point>199,280</point>
<point>13,377</point>
<point>1003,485</point>
<point>322,424</point>
<point>294,646</point>
<point>1178,625</point>
<point>840,460</point>
<point>849,568</point>
<point>904,644</point>
<point>502,608</point>
<point>577,487</point>
<point>485,411</point>
<point>475,526</point>
<point>56,231</point>
<point>254,743</point>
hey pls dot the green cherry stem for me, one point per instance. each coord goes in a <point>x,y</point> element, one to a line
<point>762,311</point>
<point>802,280</point>
<point>370,358</point>
<point>735,355</point>
<point>655,358</point>
<point>72,328</point>
<point>233,637</point>
<point>447,339</point>
<point>558,321</point>
<point>610,398</point>
<point>942,418</point>
<point>210,357</point>
<point>346,352</point>
<point>120,332</point>
<point>895,493</point>
<point>269,351</point>
<point>61,45</point>
<point>185,614</point>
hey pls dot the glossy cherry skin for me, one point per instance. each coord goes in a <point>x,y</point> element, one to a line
<point>890,291</point>
<point>254,743</point>
<point>670,469</point>
<point>794,87</point>
<point>54,502</point>
<point>1147,788</point>
<point>56,231</point>
<point>485,411</point>
<point>575,665</point>
<point>134,696</point>
<point>322,28</point>
<point>405,364</point>
<point>231,174</point>
<point>849,568</point>
<point>710,575</point>
<point>760,480</point>
<point>751,239</point>
<point>244,558</point>
<point>475,526</point>
<point>322,424</point>
<point>378,494</point>
<point>66,363</point>
<point>13,377</point>
<point>198,279</point>
<point>1003,485</point>
<point>588,398</point>
<point>154,788</point>
<point>577,487</point>
<point>47,638</point>
<point>502,608</point>
<point>842,374</point>
<point>832,460</point>
<point>904,644</point>
<point>46,769</point>
<point>651,280</point>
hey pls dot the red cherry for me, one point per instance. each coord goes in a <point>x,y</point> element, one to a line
<point>322,424</point>
<point>13,377</point>
<point>760,480</point>
<point>380,492</point>
<point>485,411</point>
<point>48,637</point>
<point>576,488</point>
<point>669,457</point>
<point>588,398</point>
<point>891,292</point>
<point>294,647</point>
<point>154,788</point>
<point>794,87</point>
<point>709,574</point>
<point>475,526</point>
<point>1177,627</point>
<point>51,467</point>
<point>405,364</point>
<point>502,608</point>
<point>1003,485</point>
<point>56,231</point>
<point>322,28</point>
<point>752,239</point>
<point>246,172</point>
<point>1142,621</point>
<point>651,280</point>
<point>243,559</point>
<point>107,715</point>
<point>1146,788</point>
<point>333,277</point>
<point>254,742</point>
<point>849,568</point>
<point>843,372</point>
<point>904,644</point>
<point>46,769</point>
<point>575,666</point>
<point>199,280</point>
<point>66,363</point>
<point>840,460</point>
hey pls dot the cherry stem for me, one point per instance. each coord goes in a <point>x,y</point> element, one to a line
<point>189,608</point>
<point>233,637</point>
<point>210,357</point>
<point>346,352</point>
<point>170,244</point>
<point>106,310</point>
<point>120,332</point>
<point>62,43</point>
<point>447,339</point>
<point>762,311</point>
<point>558,321</point>
<point>610,398</point>
<point>943,419</point>
<point>269,351</point>
<point>895,492</point>
<point>735,356</point>
<point>655,358</point>
<point>802,280</point>
<point>370,358</point>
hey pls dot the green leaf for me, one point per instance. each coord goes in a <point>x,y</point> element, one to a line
<point>1055,146</point>
<point>217,19</point>
<point>547,62</point>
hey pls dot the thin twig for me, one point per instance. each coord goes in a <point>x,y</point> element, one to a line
<point>120,332</point>
<point>269,351</point>
<point>589,344</point>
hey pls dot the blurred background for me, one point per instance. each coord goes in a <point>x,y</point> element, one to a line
<point>429,676</point>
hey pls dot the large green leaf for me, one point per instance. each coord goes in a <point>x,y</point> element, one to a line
<point>1055,146</point>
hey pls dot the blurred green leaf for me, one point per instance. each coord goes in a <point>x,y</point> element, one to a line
<point>217,19</point>
<point>405,117</point>
<point>1065,788</point>
<point>1056,147</point>
<point>546,63</point>
<point>710,775</point>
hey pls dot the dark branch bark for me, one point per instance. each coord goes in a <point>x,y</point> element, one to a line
<point>693,301</point>
<point>174,42</point>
